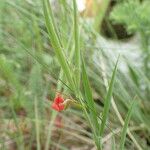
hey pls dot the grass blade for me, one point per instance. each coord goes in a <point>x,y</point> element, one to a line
<point>90,103</point>
<point>125,127</point>
<point>56,42</point>
<point>107,101</point>
<point>88,93</point>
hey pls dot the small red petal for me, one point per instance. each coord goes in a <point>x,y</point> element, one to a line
<point>55,106</point>
<point>61,107</point>
<point>61,100</point>
<point>58,99</point>
<point>58,103</point>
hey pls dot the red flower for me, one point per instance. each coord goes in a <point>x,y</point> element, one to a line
<point>58,103</point>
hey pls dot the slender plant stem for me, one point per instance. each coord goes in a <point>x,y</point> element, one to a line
<point>37,126</point>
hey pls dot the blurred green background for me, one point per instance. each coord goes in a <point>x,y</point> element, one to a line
<point>30,72</point>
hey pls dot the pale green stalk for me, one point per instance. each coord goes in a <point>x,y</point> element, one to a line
<point>37,125</point>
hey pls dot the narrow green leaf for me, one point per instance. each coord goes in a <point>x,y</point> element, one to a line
<point>51,27</point>
<point>91,105</point>
<point>125,127</point>
<point>133,75</point>
<point>89,96</point>
<point>107,101</point>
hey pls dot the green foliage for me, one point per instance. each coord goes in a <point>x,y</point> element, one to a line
<point>50,23</point>
<point>134,15</point>
<point>32,69</point>
<point>125,127</point>
<point>89,103</point>
<point>107,101</point>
